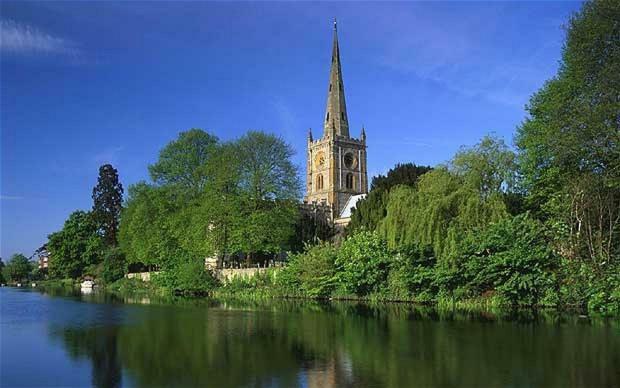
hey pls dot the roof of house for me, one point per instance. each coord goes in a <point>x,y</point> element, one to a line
<point>346,211</point>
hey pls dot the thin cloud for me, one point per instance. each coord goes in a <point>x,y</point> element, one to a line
<point>19,38</point>
<point>10,197</point>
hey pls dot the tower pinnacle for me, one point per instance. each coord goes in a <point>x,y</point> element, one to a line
<point>336,119</point>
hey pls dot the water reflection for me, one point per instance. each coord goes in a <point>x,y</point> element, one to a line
<point>229,344</point>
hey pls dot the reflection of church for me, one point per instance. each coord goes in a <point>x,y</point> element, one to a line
<point>336,163</point>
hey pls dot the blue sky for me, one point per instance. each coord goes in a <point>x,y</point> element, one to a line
<point>83,84</point>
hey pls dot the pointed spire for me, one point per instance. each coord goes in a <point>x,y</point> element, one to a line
<point>363,134</point>
<point>310,134</point>
<point>336,111</point>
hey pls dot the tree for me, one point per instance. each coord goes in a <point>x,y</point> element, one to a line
<point>17,269</point>
<point>182,162</point>
<point>149,232</point>
<point>570,143</point>
<point>75,247</point>
<point>107,203</point>
<point>369,211</point>
<point>266,169</point>
<point>450,201</point>
<point>2,279</point>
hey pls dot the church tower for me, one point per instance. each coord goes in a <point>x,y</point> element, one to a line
<point>336,163</point>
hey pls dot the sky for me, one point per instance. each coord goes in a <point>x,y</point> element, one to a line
<point>83,84</point>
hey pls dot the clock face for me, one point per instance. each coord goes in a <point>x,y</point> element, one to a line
<point>319,160</point>
<point>349,160</point>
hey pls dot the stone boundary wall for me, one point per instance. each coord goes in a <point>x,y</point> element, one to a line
<point>144,276</point>
<point>225,274</point>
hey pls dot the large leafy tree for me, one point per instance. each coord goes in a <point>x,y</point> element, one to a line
<point>266,169</point>
<point>149,232</point>
<point>75,247</point>
<point>107,203</point>
<point>182,162</point>
<point>570,143</point>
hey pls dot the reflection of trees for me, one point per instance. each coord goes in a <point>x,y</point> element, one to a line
<point>287,344</point>
<point>98,345</point>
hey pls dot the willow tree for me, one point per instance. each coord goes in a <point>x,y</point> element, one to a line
<point>452,200</point>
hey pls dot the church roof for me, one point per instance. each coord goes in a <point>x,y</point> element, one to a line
<point>347,210</point>
<point>336,120</point>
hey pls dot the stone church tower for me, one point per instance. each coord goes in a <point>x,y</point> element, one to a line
<point>336,163</point>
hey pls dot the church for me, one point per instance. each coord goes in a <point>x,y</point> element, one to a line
<point>337,172</point>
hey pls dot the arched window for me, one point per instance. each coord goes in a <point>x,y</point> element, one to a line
<point>327,117</point>
<point>319,182</point>
<point>349,181</point>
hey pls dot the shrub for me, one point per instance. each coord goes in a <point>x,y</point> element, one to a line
<point>310,273</point>
<point>412,275</point>
<point>189,277</point>
<point>362,264</point>
<point>512,257</point>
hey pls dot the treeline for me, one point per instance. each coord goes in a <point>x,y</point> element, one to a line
<point>236,201</point>
<point>539,226</point>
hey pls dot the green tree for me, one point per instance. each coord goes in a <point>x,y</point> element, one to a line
<point>107,203</point>
<point>17,269</point>
<point>75,247</point>
<point>448,202</point>
<point>570,143</point>
<point>148,230</point>
<point>2,278</point>
<point>182,162</point>
<point>266,169</point>
<point>370,211</point>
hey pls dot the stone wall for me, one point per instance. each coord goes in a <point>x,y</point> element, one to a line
<point>144,276</point>
<point>225,274</point>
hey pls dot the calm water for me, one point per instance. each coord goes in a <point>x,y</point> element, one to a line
<point>102,341</point>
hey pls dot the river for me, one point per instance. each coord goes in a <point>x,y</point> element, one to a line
<point>106,341</point>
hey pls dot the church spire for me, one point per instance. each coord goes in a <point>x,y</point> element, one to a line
<point>336,120</point>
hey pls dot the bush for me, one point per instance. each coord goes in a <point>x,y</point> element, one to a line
<point>412,275</point>
<point>310,273</point>
<point>189,277</point>
<point>362,263</point>
<point>512,257</point>
<point>114,265</point>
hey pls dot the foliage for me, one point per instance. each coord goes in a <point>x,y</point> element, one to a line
<point>2,277</point>
<point>412,275</point>
<point>114,265</point>
<point>310,273</point>
<point>226,199</point>
<point>17,269</point>
<point>189,277</point>
<point>182,162</point>
<point>570,143</point>
<point>148,232</point>
<point>512,257</point>
<point>447,203</point>
<point>107,203</point>
<point>75,247</point>
<point>372,209</point>
<point>362,264</point>
<point>266,169</point>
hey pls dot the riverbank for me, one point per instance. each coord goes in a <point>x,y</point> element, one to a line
<point>262,290</point>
